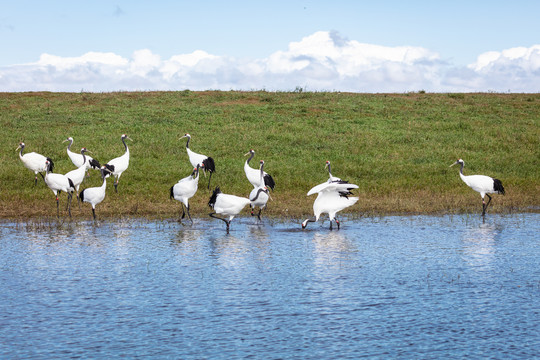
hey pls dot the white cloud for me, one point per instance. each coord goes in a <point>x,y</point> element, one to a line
<point>323,61</point>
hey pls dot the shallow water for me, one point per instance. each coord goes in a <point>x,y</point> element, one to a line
<point>408,287</point>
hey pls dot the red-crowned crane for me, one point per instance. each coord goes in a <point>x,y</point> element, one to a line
<point>34,162</point>
<point>205,162</point>
<point>332,197</point>
<point>259,195</point>
<point>95,195</point>
<point>184,189</point>
<point>483,184</point>
<point>253,175</point>
<point>78,175</point>
<point>57,183</point>
<point>77,159</point>
<point>225,204</point>
<point>118,165</point>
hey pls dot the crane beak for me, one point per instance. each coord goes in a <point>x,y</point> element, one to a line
<point>65,141</point>
<point>454,164</point>
<point>246,154</point>
<point>127,137</point>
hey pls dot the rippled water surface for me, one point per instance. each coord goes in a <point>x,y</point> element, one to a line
<point>409,287</point>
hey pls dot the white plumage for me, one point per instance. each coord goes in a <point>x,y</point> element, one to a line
<point>57,183</point>
<point>332,197</point>
<point>95,195</point>
<point>483,184</point>
<point>205,162</point>
<point>253,175</point>
<point>259,195</point>
<point>34,162</point>
<point>78,175</point>
<point>184,189</point>
<point>77,159</point>
<point>120,164</point>
<point>225,204</point>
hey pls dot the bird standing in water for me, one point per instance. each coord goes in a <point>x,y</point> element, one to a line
<point>483,184</point>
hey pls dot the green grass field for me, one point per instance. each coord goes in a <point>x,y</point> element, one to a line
<point>396,147</point>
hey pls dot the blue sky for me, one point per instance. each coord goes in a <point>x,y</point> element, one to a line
<point>362,46</point>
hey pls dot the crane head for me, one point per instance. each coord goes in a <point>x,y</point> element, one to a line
<point>21,146</point>
<point>124,136</point>
<point>459,161</point>
<point>70,139</point>
<point>327,164</point>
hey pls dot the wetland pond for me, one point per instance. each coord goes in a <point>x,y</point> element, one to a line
<point>390,287</point>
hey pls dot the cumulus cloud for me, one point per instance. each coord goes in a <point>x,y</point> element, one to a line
<point>323,61</point>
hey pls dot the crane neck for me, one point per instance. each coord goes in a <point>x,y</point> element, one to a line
<point>252,154</point>
<point>258,193</point>
<point>461,168</point>
<point>69,145</point>
<point>125,145</point>
<point>187,143</point>
<point>21,152</point>
<point>83,157</point>
<point>262,175</point>
<point>329,170</point>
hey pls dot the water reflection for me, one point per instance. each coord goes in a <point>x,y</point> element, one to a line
<point>479,246</point>
<point>331,248</point>
<point>377,288</point>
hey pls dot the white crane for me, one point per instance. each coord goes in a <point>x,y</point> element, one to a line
<point>332,197</point>
<point>253,175</point>
<point>205,162</point>
<point>34,162</point>
<point>77,159</point>
<point>57,183</point>
<point>184,189</point>
<point>483,184</point>
<point>259,195</point>
<point>118,165</point>
<point>95,195</point>
<point>78,175</point>
<point>225,204</point>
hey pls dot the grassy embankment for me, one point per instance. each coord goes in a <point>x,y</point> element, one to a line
<point>396,147</point>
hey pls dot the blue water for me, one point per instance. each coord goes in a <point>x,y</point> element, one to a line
<point>389,287</point>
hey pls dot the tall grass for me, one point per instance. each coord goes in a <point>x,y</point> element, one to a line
<point>396,147</point>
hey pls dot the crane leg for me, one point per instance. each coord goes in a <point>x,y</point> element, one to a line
<point>337,222</point>
<point>209,178</point>
<point>189,216</point>
<point>486,205</point>
<point>259,214</point>
<point>57,207</point>
<point>217,217</point>
<point>70,196</point>
<point>94,214</point>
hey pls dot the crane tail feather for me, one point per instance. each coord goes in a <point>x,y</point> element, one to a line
<point>214,196</point>
<point>498,186</point>
<point>209,164</point>
<point>269,181</point>
<point>95,164</point>
<point>51,164</point>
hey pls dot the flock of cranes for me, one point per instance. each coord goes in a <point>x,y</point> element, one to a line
<point>333,195</point>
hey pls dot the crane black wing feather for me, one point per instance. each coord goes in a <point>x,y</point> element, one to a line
<point>498,186</point>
